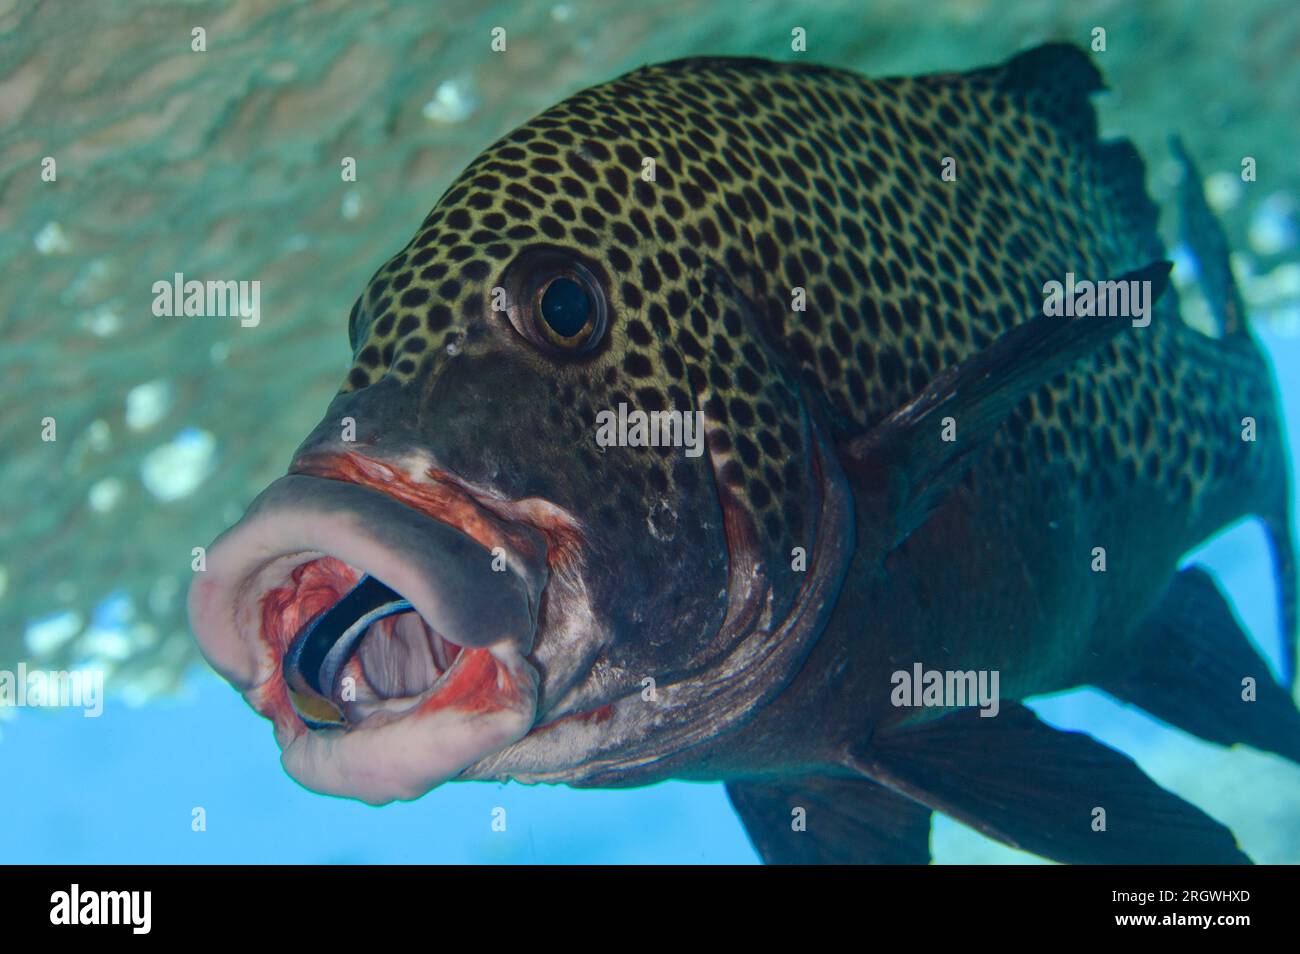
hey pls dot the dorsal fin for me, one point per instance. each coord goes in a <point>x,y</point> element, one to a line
<point>1056,80</point>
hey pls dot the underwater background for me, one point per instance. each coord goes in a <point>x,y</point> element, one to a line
<point>225,164</point>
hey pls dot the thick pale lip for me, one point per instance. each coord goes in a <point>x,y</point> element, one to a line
<point>475,579</point>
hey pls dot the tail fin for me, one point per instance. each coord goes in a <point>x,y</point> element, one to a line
<point>1282,544</point>
<point>1203,236</point>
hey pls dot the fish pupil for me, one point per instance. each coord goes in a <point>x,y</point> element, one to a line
<point>565,306</point>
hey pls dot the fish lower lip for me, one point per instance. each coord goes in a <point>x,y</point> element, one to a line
<point>253,617</point>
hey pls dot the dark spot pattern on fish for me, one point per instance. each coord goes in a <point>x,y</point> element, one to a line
<point>806,177</point>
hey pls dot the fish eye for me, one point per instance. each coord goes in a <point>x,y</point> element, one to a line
<point>565,306</point>
<point>555,301</point>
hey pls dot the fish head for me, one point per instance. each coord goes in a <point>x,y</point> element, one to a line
<point>555,604</point>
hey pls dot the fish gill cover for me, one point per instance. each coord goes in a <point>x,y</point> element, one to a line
<point>296,146</point>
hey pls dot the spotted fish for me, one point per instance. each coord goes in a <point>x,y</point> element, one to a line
<point>911,466</point>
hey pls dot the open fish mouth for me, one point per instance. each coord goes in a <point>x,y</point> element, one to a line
<point>382,621</point>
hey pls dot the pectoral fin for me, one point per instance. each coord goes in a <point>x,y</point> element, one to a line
<point>904,462</point>
<point>824,820</point>
<point>1192,663</point>
<point>1059,794</point>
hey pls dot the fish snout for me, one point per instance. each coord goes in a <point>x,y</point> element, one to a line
<point>381,622</point>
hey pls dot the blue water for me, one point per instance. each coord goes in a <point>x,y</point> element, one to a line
<point>123,787</point>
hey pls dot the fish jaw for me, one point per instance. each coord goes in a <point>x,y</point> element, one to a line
<point>487,701</point>
<point>474,580</point>
<point>688,727</point>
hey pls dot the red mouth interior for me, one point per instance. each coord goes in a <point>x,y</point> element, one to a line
<point>313,588</point>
